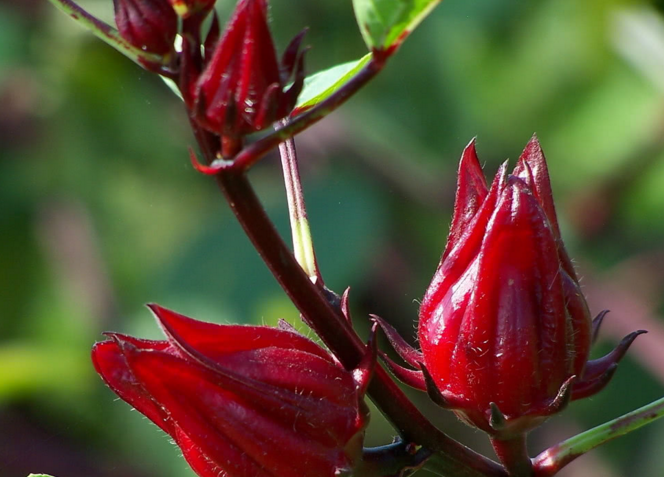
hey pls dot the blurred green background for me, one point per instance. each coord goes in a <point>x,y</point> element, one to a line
<point>100,211</point>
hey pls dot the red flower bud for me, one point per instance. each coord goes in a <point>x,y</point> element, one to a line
<point>504,328</point>
<point>242,89</point>
<point>150,25</point>
<point>241,401</point>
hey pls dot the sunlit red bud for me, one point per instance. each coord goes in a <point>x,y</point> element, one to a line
<point>504,328</point>
<point>150,25</point>
<point>243,87</point>
<point>242,401</point>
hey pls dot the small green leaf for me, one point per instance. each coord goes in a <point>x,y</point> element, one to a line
<point>319,86</point>
<point>39,475</point>
<point>386,23</point>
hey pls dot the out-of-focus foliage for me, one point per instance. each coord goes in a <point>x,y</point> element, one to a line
<point>101,212</point>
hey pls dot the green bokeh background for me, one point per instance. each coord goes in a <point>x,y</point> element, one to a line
<point>100,211</point>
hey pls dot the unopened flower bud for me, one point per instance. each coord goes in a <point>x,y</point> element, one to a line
<point>243,87</point>
<point>242,401</point>
<point>504,328</point>
<point>150,25</point>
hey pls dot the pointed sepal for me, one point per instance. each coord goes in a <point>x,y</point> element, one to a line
<point>409,354</point>
<point>470,193</point>
<point>291,56</point>
<point>599,371</point>
<point>597,324</point>
<point>497,420</point>
<point>410,377</point>
<point>434,393</point>
<point>564,396</point>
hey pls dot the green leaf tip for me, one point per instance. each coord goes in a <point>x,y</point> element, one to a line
<point>323,84</point>
<point>384,24</point>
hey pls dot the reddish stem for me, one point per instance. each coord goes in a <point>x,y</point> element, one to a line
<point>334,330</point>
<point>328,322</point>
<point>513,453</point>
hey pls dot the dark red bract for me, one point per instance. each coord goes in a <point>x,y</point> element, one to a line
<point>243,87</point>
<point>240,401</point>
<point>150,25</point>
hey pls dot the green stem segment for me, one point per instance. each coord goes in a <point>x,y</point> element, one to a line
<point>303,246</point>
<point>110,35</point>
<point>552,460</point>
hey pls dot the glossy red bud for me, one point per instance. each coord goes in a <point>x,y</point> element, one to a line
<point>504,328</point>
<point>242,401</point>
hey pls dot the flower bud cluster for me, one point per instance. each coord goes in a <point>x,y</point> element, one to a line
<point>232,82</point>
<point>504,329</point>
<point>243,86</point>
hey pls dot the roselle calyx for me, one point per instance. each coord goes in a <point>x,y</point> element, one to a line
<point>242,401</point>
<point>150,25</point>
<point>504,329</point>
<point>243,86</point>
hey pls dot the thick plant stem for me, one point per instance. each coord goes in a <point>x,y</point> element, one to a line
<point>328,322</point>
<point>335,331</point>
<point>513,453</point>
